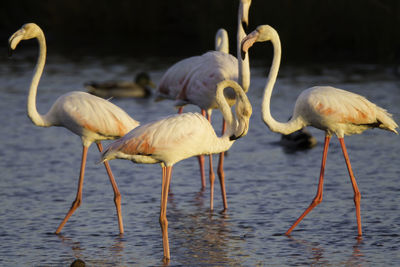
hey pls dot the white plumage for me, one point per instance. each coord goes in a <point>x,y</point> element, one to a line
<point>193,81</point>
<point>330,109</point>
<point>90,117</point>
<point>181,136</point>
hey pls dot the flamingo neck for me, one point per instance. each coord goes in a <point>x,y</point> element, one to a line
<point>295,123</point>
<point>235,127</point>
<point>244,64</point>
<point>221,41</point>
<point>225,110</point>
<point>33,114</point>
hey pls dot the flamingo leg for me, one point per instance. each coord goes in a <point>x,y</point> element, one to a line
<point>200,158</point>
<point>212,175</point>
<point>318,198</point>
<point>221,173</point>
<point>357,194</point>
<point>166,179</point>
<point>78,199</point>
<point>201,163</point>
<point>117,194</point>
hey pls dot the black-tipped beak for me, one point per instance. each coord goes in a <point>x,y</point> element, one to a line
<point>242,54</point>
<point>10,51</point>
<point>244,25</point>
<point>233,138</point>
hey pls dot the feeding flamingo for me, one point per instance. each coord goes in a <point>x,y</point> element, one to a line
<point>330,109</point>
<point>172,81</point>
<point>196,78</point>
<point>181,136</point>
<point>90,117</point>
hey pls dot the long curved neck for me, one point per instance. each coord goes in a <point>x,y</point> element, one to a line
<point>293,124</point>
<point>33,114</point>
<point>244,64</point>
<point>222,41</point>
<point>234,126</point>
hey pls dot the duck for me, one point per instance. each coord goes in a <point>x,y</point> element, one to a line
<point>299,140</point>
<point>140,88</point>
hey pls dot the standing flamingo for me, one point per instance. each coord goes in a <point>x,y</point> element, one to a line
<point>172,82</point>
<point>197,79</point>
<point>181,136</point>
<point>332,110</point>
<point>92,118</point>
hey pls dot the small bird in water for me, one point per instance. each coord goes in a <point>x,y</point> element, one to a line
<point>299,140</point>
<point>140,88</point>
<point>78,263</point>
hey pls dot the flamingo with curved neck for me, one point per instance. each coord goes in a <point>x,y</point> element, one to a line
<point>92,118</point>
<point>196,79</point>
<point>330,109</point>
<point>181,136</point>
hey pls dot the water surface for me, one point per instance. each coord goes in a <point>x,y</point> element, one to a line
<point>267,186</point>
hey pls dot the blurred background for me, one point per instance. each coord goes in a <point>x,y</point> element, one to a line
<point>350,44</point>
<point>364,31</point>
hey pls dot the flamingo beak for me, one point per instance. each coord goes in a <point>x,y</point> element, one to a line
<point>244,12</point>
<point>233,137</point>
<point>14,40</point>
<point>248,42</point>
<point>10,51</point>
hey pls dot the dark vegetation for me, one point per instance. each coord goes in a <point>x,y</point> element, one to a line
<point>311,30</point>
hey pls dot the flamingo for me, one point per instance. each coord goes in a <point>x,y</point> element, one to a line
<point>172,81</point>
<point>181,136</point>
<point>92,118</point>
<point>196,78</point>
<point>329,109</point>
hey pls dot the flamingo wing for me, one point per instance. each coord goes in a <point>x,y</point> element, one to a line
<point>212,68</point>
<point>174,78</point>
<point>170,139</point>
<point>85,114</point>
<point>341,111</point>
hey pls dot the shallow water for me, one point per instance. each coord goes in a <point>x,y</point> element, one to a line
<point>267,186</point>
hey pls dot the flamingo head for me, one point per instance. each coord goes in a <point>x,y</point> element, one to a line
<point>243,113</point>
<point>27,31</point>
<point>262,33</point>
<point>244,12</point>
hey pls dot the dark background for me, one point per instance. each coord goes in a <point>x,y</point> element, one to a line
<point>364,31</point>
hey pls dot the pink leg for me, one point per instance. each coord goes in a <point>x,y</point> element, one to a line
<point>166,179</point>
<point>117,194</point>
<point>202,172</point>
<point>221,173</point>
<point>357,194</point>
<point>78,199</point>
<point>212,177</point>
<point>318,198</point>
<point>201,163</point>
